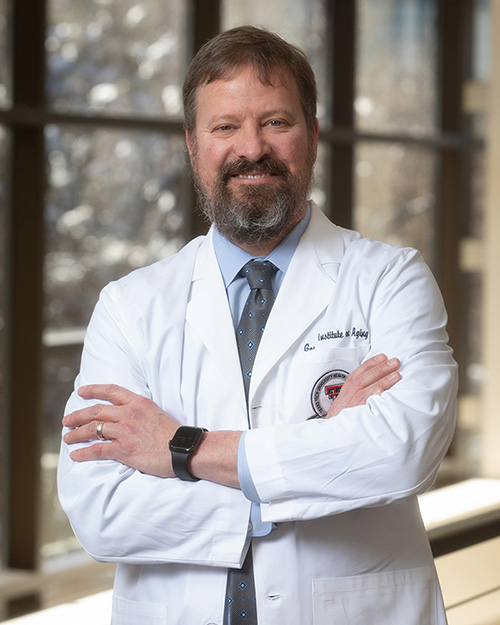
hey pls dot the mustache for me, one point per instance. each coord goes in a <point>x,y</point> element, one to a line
<point>244,166</point>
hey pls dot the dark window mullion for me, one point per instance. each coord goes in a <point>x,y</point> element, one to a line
<point>452,41</point>
<point>342,25</point>
<point>25,296</point>
<point>206,23</point>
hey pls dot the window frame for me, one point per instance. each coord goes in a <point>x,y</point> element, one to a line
<point>25,122</point>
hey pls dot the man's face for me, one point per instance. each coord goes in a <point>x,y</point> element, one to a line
<point>252,156</point>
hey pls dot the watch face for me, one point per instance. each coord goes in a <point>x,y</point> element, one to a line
<point>185,439</point>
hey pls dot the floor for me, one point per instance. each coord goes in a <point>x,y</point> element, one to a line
<point>95,609</point>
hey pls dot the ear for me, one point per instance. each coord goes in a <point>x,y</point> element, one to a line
<point>316,137</point>
<point>190,143</point>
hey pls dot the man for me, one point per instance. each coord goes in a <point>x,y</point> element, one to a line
<point>325,506</point>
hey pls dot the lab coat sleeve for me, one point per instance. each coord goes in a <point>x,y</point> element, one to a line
<point>122,515</point>
<point>390,448</point>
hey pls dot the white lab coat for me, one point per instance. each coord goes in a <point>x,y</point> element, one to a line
<point>349,546</point>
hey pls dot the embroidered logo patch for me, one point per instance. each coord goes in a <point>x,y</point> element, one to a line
<point>326,390</point>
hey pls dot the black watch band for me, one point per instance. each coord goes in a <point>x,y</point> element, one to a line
<point>183,444</point>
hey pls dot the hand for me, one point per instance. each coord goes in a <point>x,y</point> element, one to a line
<point>136,430</point>
<point>374,376</point>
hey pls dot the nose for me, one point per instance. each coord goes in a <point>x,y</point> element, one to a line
<point>252,143</point>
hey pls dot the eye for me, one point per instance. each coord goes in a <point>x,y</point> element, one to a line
<point>276,123</point>
<point>224,128</point>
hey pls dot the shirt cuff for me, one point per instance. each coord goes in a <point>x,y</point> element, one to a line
<point>244,475</point>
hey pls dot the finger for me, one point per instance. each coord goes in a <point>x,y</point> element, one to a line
<point>98,451</point>
<point>88,432</point>
<point>360,396</point>
<point>374,361</point>
<point>378,387</point>
<point>113,393</point>
<point>95,413</point>
<point>369,372</point>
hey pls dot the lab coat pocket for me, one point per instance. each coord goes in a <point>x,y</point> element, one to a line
<point>317,375</point>
<point>408,596</point>
<point>126,612</point>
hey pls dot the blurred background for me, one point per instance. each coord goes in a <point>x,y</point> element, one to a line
<point>95,181</point>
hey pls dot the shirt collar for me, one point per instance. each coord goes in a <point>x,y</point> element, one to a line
<point>231,258</point>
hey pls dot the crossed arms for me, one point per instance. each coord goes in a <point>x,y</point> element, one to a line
<point>138,431</point>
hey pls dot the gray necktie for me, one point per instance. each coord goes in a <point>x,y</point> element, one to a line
<point>253,319</point>
<point>240,593</point>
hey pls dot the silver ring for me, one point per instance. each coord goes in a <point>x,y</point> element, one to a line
<point>99,431</point>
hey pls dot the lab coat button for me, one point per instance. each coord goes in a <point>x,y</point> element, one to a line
<point>250,527</point>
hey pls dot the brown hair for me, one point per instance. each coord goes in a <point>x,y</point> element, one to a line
<point>266,52</point>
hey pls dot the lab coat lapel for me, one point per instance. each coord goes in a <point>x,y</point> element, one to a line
<point>305,293</point>
<point>209,315</point>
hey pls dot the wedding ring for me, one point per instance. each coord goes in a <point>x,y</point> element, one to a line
<point>99,431</point>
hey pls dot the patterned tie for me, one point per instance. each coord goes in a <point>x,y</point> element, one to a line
<point>240,593</point>
<point>253,319</point>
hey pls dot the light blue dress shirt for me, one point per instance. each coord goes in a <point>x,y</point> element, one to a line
<point>231,259</point>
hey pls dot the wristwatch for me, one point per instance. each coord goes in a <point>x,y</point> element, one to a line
<point>183,444</point>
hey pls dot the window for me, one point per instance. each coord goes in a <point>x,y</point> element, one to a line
<point>116,58</point>
<point>116,200</point>
<point>116,197</point>
<point>100,185</point>
<point>93,158</point>
<point>397,63</point>
<point>396,94</point>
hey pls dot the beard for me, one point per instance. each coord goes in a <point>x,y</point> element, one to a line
<point>253,215</point>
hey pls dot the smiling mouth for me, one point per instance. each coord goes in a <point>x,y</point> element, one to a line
<point>245,171</point>
<point>267,174</point>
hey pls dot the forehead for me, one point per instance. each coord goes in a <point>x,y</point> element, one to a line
<point>245,87</point>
